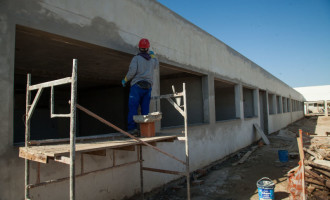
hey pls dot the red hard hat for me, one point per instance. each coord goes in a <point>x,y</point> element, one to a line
<point>144,43</point>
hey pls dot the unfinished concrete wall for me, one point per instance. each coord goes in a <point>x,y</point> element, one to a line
<point>276,122</point>
<point>116,27</point>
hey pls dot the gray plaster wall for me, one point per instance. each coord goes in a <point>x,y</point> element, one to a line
<point>278,121</point>
<point>119,25</point>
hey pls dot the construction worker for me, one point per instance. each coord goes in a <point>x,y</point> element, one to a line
<point>140,74</point>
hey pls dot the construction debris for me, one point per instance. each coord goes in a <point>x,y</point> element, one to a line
<point>261,133</point>
<point>246,156</point>
<point>315,167</point>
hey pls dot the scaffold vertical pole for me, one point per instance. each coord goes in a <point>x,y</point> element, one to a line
<point>186,139</point>
<point>27,136</point>
<point>73,128</point>
<point>140,158</point>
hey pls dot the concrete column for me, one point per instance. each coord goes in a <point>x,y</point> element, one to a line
<point>208,98</point>
<point>281,104</point>
<point>325,107</point>
<point>256,104</point>
<point>266,117</point>
<point>7,52</point>
<point>155,104</point>
<point>12,169</point>
<point>239,101</point>
<point>267,104</point>
<point>290,108</point>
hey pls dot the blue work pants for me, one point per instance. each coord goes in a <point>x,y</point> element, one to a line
<point>137,96</point>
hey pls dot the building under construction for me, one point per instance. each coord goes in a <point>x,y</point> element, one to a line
<point>86,47</point>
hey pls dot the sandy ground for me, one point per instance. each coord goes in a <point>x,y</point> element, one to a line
<point>227,182</point>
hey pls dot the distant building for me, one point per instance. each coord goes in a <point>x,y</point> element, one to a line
<point>317,99</point>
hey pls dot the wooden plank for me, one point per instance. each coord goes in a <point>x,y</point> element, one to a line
<point>127,148</point>
<point>97,153</point>
<point>152,143</point>
<point>261,133</point>
<point>54,150</point>
<point>301,149</point>
<point>316,155</point>
<point>319,178</point>
<point>63,159</point>
<point>169,140</point>
<point>320,166</point>
<point>33,156</point>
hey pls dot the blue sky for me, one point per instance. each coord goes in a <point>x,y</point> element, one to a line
<point>288,38</point>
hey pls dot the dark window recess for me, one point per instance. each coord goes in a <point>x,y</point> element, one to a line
<point>225,108</point>
<point>271,104</point>
<point>171,117</point>
<point>248,103</point>
<point>49,57</point>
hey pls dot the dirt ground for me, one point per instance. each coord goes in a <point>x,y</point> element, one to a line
<point>225,181</point>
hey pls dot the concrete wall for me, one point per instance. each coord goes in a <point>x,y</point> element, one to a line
<point>278,121</point>
<point>118,25</point>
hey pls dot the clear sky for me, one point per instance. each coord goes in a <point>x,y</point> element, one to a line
<point>288,38</point>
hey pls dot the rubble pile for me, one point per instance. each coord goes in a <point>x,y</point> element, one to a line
<point>317,167</point>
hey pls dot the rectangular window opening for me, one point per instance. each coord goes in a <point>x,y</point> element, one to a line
<point>49,57</point>
<point>248,103</point>
<point>272,104</point>
<point>195,90</point>
<point>225,108</point>
<point>284,104</point>
<point>279,104</point>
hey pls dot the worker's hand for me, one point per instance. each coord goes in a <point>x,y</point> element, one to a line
<point>123,82</point>
<point>152,54</point>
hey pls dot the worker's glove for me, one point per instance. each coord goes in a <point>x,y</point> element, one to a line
<point>152,54</point>
<point>124,81</point>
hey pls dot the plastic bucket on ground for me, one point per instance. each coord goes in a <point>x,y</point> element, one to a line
<point>266,189</point>
<point>283,155</point>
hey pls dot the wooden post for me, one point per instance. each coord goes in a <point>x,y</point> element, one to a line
<point>302,158</point>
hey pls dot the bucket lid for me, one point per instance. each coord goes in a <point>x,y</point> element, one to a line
<point>265,183</point>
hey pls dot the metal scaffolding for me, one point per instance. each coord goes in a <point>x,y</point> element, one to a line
<point>57,152</point>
